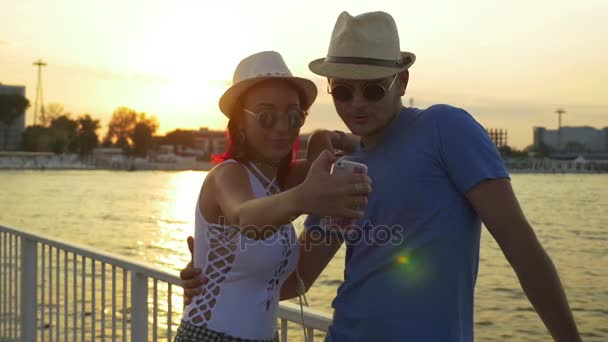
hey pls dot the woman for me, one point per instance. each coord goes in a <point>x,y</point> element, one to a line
<point>245,243</point>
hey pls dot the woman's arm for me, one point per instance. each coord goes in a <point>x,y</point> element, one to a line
<point>320,194</point>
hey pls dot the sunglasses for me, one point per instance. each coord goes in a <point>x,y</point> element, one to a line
<point>372,92</point>
<point>267,119</point>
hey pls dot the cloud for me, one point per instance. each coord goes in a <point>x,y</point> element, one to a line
<point>4,43</point>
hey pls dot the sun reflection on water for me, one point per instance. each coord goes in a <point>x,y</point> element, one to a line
<point>175,222</point>
<point>176,218</point>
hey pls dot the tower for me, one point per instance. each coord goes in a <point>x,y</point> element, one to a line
<point>39,103</point>
<point>559,112</point>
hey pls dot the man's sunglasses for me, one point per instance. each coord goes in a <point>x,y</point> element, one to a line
<point>268,118</point>
<point>372,92</point>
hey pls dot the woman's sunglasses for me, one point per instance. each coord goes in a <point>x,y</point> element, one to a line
<point>372,92</point>
<point>267,119</point>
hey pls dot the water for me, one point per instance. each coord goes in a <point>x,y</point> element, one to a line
<point>147,216</point>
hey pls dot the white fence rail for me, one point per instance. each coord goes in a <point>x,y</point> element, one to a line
<point>54,291</point>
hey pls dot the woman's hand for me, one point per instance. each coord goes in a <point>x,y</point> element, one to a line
<point>323,194</point>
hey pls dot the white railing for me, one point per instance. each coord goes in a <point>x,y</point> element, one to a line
<point>54,291</point>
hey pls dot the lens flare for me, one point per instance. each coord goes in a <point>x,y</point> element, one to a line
<point>403,259</point>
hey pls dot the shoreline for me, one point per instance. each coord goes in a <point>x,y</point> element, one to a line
<point>50,161</point>
<point>94,168</point>
<point>208,166</point>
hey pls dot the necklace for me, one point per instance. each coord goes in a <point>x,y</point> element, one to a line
<point>271,186</point>
<point>266,165</point>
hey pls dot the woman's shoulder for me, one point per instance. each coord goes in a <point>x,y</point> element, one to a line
<point>227,177</point>
<point>227,171</point>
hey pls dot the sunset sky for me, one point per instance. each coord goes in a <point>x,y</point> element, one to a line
<point>510,63</point>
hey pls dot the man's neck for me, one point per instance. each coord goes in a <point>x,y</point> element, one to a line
<point>370,141</point>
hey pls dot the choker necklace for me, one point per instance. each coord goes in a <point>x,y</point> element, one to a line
<point>266,165</point>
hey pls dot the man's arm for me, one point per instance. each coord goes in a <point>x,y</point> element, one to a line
<point>497,206</point>
<point>316,250</point>
<point>319,141</point>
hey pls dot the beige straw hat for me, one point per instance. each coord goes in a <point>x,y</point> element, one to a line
<point>363,47</point>
<point>260,67</point>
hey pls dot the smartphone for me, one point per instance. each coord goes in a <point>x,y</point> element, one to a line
<point>343,167</point>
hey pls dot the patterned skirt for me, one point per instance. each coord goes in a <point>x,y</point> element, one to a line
<point>187,332</point>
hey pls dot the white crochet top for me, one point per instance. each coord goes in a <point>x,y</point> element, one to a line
<point>245,275</point>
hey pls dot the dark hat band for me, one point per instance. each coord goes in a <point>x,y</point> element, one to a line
<point>369,61</point>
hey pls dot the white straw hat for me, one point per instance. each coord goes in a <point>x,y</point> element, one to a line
<point>363,47</point>
<point>260,67</point>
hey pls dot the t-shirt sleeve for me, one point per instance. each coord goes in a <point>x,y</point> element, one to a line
<point>312,222</point>
<point>466,151</point>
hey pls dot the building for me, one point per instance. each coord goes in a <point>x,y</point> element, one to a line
<point>210,142</point>
<point>109,157</point>
<point>10,137</point>
<point>498,136</point>
<point>574,139</point>
<point>207,143</point>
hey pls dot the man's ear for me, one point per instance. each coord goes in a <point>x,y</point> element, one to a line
<point>404,78</point>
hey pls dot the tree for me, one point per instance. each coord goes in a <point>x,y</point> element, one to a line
<point>12,106</point>
<point>131,131</point>
<point>142,139</point>
<point>121,127</point>
<point>123,143</point>
<point>86,135</point>
<point>142,134</point>
<point>63,135</point>
<point>64,130</point>
<point>50,112</point>
<point>150,121</point>
<point>505,151</point>
<point>36,138</point>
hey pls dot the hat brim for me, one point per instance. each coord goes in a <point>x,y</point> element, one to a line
<point>234,93</point>
<point>358,71</point>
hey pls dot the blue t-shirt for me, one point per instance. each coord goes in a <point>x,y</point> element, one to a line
<point>411,267</point>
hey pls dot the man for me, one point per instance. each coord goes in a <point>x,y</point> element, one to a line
<point>437,176</point>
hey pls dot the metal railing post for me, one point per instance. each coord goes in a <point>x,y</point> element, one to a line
<point>29,300</point>
<point>139,307</point>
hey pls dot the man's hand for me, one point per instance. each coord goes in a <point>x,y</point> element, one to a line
<point>192,281</point>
